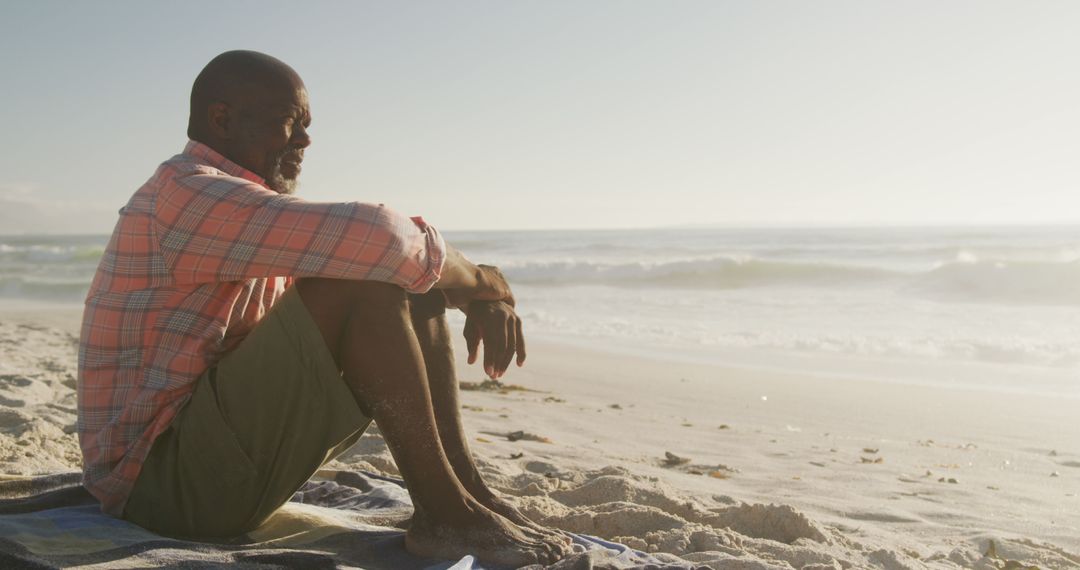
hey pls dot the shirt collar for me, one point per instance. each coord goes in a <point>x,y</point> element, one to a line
<point>215,159</point>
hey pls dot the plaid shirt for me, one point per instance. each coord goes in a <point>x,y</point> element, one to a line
<point>200,254</point>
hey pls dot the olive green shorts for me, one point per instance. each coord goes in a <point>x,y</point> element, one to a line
<point>259,424</point>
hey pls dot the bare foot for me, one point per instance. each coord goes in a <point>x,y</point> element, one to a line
<point>482,533</point>
<point>510,512</point>
<point>470,478</point>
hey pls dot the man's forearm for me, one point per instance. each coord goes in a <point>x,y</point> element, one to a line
<point>462,281</point>
<point>458,272</point>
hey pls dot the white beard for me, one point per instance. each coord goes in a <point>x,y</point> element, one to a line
<point>281,185</point>
<point>278,183</point>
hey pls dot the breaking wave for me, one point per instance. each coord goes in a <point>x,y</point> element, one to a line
<point>48,268</point>
<point>44,289</point>
<point>1036,283</point>
<point>965,280</point>
<point>710,273</point>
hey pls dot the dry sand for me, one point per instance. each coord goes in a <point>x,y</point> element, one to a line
<point>731,467</point>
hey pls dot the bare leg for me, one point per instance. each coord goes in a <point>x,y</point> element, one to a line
<point>367,328</point>
<point>429,320</point>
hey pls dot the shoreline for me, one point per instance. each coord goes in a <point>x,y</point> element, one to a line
<point>856,368</point>
<point>66,316</point>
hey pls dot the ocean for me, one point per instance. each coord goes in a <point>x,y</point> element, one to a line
<point>975,307</point>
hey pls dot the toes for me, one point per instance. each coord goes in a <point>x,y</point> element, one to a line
<point>564,539</point>
<point>548,557</point>
<point>558,538</point>
<point>556,551</point>
<point>534,557</point>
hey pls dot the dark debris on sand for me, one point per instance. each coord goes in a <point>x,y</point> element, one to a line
<point>490,385</point>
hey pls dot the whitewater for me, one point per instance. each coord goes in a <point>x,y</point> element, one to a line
<point>984,308</point>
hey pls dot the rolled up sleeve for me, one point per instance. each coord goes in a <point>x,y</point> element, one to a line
<point>215,228</point>
<point>431,256</point>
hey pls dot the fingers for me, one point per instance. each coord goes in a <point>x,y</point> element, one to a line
<point>494,346</point>
<point>511,345</point>
<point>500,330</point>
<point>520,344</point>
<point>472,337</point>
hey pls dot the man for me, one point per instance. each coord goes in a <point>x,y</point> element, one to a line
<point>236,338</point>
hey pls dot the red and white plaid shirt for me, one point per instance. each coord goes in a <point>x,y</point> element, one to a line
<point>200,254</point>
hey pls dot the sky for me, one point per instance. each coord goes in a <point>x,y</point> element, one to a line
<point>553,114</point>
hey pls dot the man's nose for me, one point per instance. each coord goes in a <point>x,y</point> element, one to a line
<point>300,137</point>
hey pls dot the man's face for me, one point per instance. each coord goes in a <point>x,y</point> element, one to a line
<point>271,135</point>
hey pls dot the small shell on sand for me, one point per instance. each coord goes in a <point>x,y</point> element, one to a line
<point>672,460</point>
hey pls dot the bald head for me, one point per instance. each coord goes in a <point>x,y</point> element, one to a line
<point>253,109</point>
<point>236,76</point>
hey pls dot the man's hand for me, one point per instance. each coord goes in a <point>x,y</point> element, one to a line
<point>498,326</point>
<point>490,286</point>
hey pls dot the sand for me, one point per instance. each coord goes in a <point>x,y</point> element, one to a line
<point>736,468</point>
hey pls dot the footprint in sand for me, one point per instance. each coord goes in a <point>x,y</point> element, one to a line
<point>51,365</point>
<point>10,418</point>
<point>15,380</point>
<point>12,403</point>
<point>541,467</point>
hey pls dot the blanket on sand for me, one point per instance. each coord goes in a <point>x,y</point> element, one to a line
<point>340,519</point>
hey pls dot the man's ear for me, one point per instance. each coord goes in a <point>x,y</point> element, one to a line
<point>219,119</point>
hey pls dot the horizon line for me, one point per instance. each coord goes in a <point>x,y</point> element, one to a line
<point>703,226</point>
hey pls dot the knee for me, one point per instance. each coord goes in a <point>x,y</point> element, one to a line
<point>347,296</point>
<point>377,291</point>
<point>374,298</point>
